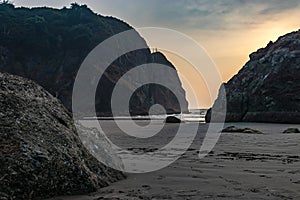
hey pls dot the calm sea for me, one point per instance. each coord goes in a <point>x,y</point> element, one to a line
<point>195,115</point>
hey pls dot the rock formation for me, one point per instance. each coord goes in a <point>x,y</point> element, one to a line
<point>172,119</point>
<point>267,88</point>
<point>233,129</point>
<point>291,130</point>
<point>48,46</point>
<point>41,154</point>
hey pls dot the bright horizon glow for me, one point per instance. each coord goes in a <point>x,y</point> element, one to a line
<point>228,30</point>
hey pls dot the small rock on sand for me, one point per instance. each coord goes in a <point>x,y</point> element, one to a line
<point>233,129</point>
<point>172,119</point>
<point>291,130</point>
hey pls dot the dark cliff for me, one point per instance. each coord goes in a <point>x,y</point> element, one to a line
<point>267,88</point>
<point>48,46</point>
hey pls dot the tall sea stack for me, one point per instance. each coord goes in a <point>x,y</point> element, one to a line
<point>267,88</point>
<point>48,46</point>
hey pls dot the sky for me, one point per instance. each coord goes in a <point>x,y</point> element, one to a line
<point>229,30</point>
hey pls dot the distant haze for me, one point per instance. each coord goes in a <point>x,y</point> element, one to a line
<point>229,30</point>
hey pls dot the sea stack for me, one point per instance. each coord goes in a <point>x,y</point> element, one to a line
<point>267,88</point>
<point>48,46</point>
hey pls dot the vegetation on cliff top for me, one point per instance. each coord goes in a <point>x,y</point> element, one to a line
<point>48,30</point>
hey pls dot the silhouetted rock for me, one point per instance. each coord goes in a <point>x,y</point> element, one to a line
<point>41,154</point>
<point>291,130</point>
<point>233,129</point>
<point>49,45</point>
<point>266,89</point>
<point>172,119</point>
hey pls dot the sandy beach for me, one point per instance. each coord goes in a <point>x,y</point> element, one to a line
<point>241,166</point>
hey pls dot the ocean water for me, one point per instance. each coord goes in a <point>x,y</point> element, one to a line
<point>195,115</point>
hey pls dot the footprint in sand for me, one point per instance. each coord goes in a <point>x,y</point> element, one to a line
<point>250,171</point>
<point>297,182</point>
<point>264,176</point>
<point>294,172</point>
<point>160,177</point>
<point>146,187</point>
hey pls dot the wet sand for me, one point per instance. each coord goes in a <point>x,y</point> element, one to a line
<point>241,166</point>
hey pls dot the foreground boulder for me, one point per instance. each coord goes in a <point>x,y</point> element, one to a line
<point>41,154</point>
<point>172,119</point>
<point>266,89</point>
<point>233,129</point>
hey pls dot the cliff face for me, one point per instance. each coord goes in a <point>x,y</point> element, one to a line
<point>41,154</point>
<point>267,88</point>
<point>151,94</point>
<point>48,46</point>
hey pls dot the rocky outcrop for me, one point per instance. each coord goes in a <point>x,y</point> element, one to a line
<point>291,130</point>
<point>267,88</point>
<point>233,129</point>
<point>172,119</point>
<point>41,154</point>
<point>48,46</point>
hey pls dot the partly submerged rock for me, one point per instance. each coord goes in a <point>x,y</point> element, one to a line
<point>266,89</point>
<point>41,153</point>
<point>172,119</point>
<point>291,130</point>
<point>233,129</point>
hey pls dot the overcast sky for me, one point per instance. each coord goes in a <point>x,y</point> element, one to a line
<point>191,14</point>
<point>229,29</point>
